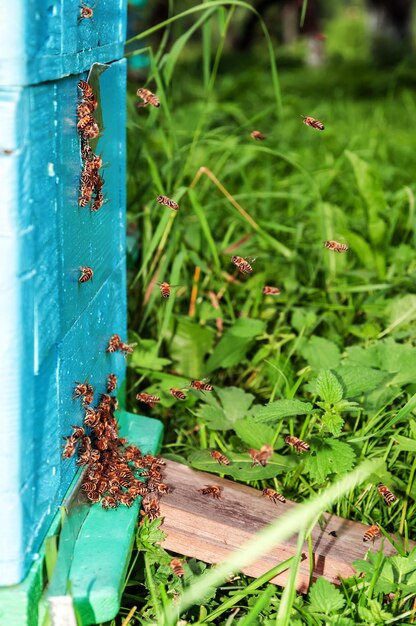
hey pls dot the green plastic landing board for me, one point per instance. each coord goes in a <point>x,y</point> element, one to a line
<point>96,570</point>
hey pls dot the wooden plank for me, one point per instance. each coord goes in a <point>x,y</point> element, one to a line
<point>207,529</point>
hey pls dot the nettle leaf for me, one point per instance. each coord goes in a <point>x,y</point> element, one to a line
<point>281,408</point>
<point>404,564</point>
<point>333,423</point>
<point>190,344</point>
<point>328,456</point>
<point>149,534</point>
<point>234,405</point>
<point>358,379</point>
<point>241,466</point>
<point>325,598</point>
<point>399,359</point>
<point>328,387</point>
<point>252,433</point>
<point>321,353</point>
<point>235,343</point>
<point>145,356</point>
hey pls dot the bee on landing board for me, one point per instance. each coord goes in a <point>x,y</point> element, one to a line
<point>219,457</point>
<point>299,445</point>
<point>201,385</point>
<point>273,495</point>
<point>311,121</point>
<point>372,533</point>
<point>242,264</point>
<point>271,291</point>
<point>86,274</point>
<point>114,343</point>
<point>386,494</point>
<point>108,502</point>
<point>177,567</point>
<point>148,98</point>
<point>148,399</point>
<point>211,490</point>
<point>167,202</point>
<point>336,246</point>
<point>177,393</point>
<point>256,134</point>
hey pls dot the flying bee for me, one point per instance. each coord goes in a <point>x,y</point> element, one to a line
<point>299,445</point>
<point>86,274</point>
<point>372,533</point>
<point>167,202</point>
<point>177,393</point>
<point>260,457</point>
<point>201,385</point>
<point>165,290</point>
<point>271,291</point>
<point>111,382</point>
<point>126,348</point>
<point>243,265</point>
<point>219,457</point>
<point>336,246</point>
<point>256,134</point>
<point>273,495</point>
<point>148,98</point>
<point>108,502</point>
<point>386,494</point>
<point>177,567</point>
<point>114,343</point>
<point>79,390</point>
<point>311,121</point>
<point>211,490</point>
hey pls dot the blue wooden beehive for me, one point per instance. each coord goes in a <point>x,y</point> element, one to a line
<point>54,331</point>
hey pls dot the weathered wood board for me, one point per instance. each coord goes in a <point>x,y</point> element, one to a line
<point>202,527</point>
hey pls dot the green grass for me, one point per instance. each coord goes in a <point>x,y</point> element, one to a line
<point>334,352</point>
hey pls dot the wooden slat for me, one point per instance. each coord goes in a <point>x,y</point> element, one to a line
<point>207,529</point>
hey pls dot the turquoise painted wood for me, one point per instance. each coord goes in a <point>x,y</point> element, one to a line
<point>54,331</point>
<point>43,40</point>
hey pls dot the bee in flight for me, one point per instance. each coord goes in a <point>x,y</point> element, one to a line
<point>256,134</point>
<point>177,393</point>
<point>260,457</point>
<point>299,445</point>
<point>86,274</point>
<point>273,495</point>
<point>271,291</point>
<point>219,457</point>
<point>148,98</point>
<point>211,490</point>
<point>148,399</point>
<point>311,121</point>
<point>372,533</point>
<point>177,567</point>
<point>336,246</point>
<point>201,385</point>
<point>386,494</point>
<point>165,290</point>
<point>167,202</point>
<point>242,264</point>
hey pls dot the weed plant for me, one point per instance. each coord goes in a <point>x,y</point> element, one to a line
<point>331,360</point>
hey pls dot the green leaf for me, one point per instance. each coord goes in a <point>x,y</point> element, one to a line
<point>399,359</point>
<point>252,433</point>
<point>149,534</point>
<point>404,564</point>
<point>240,467</point>
<point>234,405</point>
<point>328,387</point>
<point>358,379</point>
<point>145,356</point>
<point>235,343</point>
<point>325,598</point>
<point>281,408</point>
<point>189,345</point>
<point>405,443</point>
<point>333,423</point>
<point>328,456</point>
<point>321,353</point>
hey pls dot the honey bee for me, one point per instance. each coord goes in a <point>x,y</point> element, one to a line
<point>260,457</point>
<point>299,445</point>
<point>219,457</point>
<point>243,265</point>
<point>111,383</point>
<point>148,97</point>
<point>94,496</point>
<point>108,502</point>
<point>177,393</point>
<point>273,495</point>
<point>88,396</point>
<point>114,343</point>
<point>85,121</point>
<point>91,131</point>
<point>334,245</point>
<point>126,348</point>
<point>131,453</point>
<point>86,274</point>
<point>176,565</point>
<point>165,290</point>
<point>372,533</point>
<point>386,494</point>
<point>79,390</point>
<point>168,202</point>
<point>211,490</point>
<point>162,488</point>
<point>311,121</point>
<point>85,12</point>
<point>126,499</point>
<point>271,291</point>
<point>151,507</point>
<point>85,148</point>
<point>78,432</point>
<point>138,489</point>
<point>98,202</point>
<point>84,109</point>
<point>92,417</point>
<point>201,385</point>
<point>88,485</point>
<point>86,91</point>
<point>69,447</point>
<point>256,134</point>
